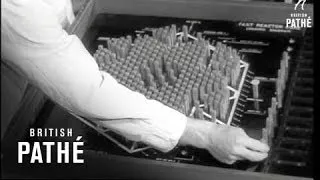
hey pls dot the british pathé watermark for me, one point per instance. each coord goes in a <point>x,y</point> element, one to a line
<point>299,19</point>
<point>64,150</point>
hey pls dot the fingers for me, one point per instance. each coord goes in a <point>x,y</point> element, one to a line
<point>252,149</point>
<point>255,145</point>
<point>251,155</point>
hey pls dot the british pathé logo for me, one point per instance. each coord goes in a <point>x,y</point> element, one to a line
<point>66,152</point>
<point>299,19</point>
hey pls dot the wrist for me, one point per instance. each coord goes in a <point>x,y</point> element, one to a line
<point>197,133</point>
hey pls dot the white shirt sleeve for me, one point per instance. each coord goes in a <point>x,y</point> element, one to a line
<point>58,63</point>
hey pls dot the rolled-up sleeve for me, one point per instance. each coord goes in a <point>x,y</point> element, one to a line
<point>59,64</point>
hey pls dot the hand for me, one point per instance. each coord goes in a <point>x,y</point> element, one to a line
<point>226,143</point>
<point>229,144</point>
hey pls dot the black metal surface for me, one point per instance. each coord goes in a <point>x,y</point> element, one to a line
<point>293,149</point>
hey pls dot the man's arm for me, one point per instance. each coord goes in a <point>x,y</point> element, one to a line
<point>59,64</point>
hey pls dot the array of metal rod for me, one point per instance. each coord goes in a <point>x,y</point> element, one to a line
<point>268,132</point>
<point>180,72</point>
<point>281,81</point>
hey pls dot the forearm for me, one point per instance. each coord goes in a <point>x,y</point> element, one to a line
<point>197,133</point>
